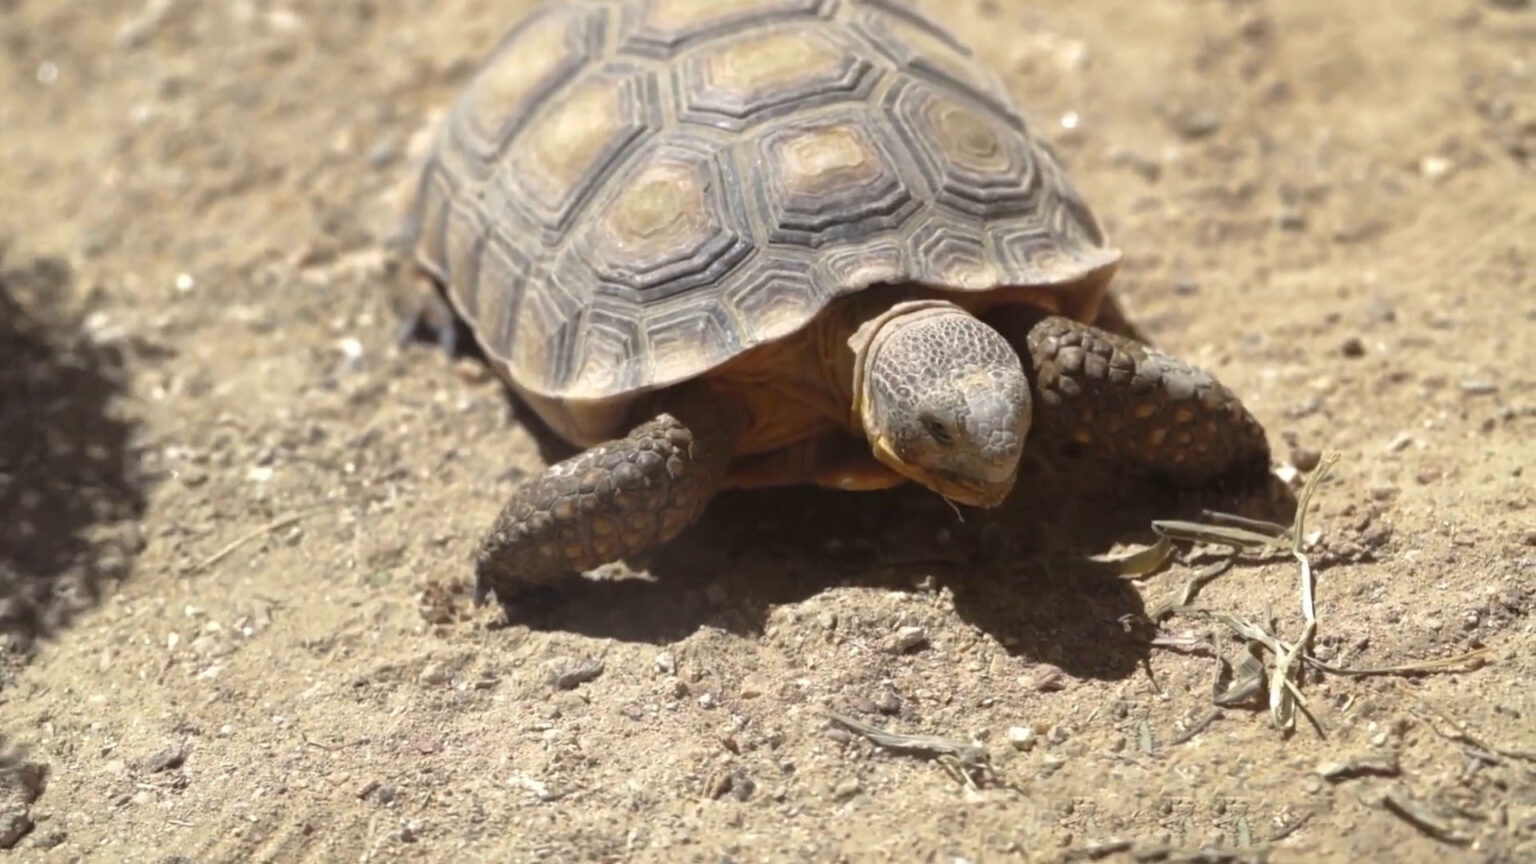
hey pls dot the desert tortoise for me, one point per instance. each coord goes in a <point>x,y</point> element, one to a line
<point>741,243</point>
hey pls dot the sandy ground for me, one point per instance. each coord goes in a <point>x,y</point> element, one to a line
<point>238,516</point>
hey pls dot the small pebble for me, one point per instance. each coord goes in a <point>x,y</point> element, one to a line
<point>1379,310</point>
<point>1383,493</point>
<point>1376,536</point>
<point>666,664</point>
<point>742,786</point>
<point>909,638</point>
<point>1478,387</point>
<point>1305,458</point>
<point>1399,442</point>
<point>46,841</point>
<point>568,673</point>
<point>435,673</point>
<point>1352,347</point>
<point>752,687</point>
<point>168,759</point>
<point>1021,737</point>
<point>1049,681</point>
<point>718,785</point>
<point>1435,167</point>
<point>1194,123</point>
<point>887,703</point>
<point>847,789</point>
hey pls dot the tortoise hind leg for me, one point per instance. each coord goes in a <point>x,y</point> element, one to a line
<point>1119,401</point>
<point>615,500</point>
<point>429,317</point>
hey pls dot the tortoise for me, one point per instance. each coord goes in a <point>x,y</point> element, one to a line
<point>721,244</point>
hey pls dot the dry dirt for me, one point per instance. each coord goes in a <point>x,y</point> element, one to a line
<point>238,516</point>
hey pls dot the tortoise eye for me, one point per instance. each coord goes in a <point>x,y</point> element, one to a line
<point>936,429</point>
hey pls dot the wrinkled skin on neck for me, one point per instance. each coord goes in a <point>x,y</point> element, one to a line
<point>943,400</point>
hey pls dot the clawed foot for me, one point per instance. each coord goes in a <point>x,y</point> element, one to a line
<point>1118,401</point>
<point>605,504</point>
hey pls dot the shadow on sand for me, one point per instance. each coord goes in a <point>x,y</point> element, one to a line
<point>68,485</point>
<point>755,550</point>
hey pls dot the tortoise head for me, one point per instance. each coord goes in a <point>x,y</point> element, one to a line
<point>943,400</point>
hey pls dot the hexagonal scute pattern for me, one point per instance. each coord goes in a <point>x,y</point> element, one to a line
<point>832,181</point>
<point>979,165</point>
<point>674,221</point>
<point>563,154</point>
<point>774,297</point>
<point>766,73</point>
<point>611,357</point>
<point>549,330</point>
<point>499,311</point>
<point>632,192</point>
<point>536,57</point>
<point>951,251</point>
<point>676,336</point>
<point>925,49</point>
<point>849,268</point>
<point>662,28</point>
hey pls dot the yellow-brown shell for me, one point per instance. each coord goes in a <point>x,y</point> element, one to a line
<point>631,192</point>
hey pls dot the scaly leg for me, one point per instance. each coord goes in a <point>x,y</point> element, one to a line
<point>607,503</point>
<point>1119,401</point>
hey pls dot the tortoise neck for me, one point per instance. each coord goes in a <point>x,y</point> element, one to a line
<point>849,343</point>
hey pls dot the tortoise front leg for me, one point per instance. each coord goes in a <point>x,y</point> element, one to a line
<point>607,503</point>
<point>1122,402</point>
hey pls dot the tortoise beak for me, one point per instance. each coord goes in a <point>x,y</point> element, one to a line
<point>984,492</point>
<point>973,493</point>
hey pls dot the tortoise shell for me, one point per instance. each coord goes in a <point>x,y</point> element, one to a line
<point>631,193</point>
